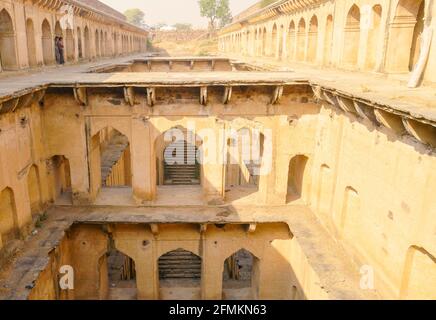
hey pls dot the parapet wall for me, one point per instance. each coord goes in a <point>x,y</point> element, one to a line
<point>393,37</point>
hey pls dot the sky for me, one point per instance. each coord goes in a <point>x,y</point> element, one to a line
<point>173,11</point>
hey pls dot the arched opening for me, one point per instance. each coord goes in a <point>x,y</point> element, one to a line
<point>58,50</point>
<point>301,40</point>
<point>274,41</point>
<point>404,36</point>
<point>328,40</point>
<point>110,161</point>
<point>31,46</point>
<point>256,44</point>
<point>8,217</point>
<point>69,43</point>
<point>117,273</point>
<point>97,43</point>
<point>350,207</point>
<point>179,276</point>
<point>281,39</point>
<point>47,43</point>
<point>419,275</point>
<point>243,164</point>
<point>102,48</point>
<point>115,45</point>
<point>241,276</point>
<point>87,43</point>
<point>79,43</point>
<point>312,39</point>
<point>178,158</point>
<point>33,187</point>
<point>264,34</point>
<point>374,37</point>
<point>417,35</point>
<point>352,37</point>
<point>296,178</point>
<point>292,38</point>
<point>8,58</point>
<point>107,49</point>
<point>60,176</point>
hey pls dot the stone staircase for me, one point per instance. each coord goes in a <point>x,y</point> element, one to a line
<point>179,264</point>
<point>186,170</point>
<point>111,154</point>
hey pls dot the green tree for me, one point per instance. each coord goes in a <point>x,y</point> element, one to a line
<point>135,16</point>
<point>215,11</point>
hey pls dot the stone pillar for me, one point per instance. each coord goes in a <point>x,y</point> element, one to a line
<point>143,163</point>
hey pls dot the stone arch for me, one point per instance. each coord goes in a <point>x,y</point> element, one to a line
<point>352,37</point>
<point>60,179</point>
<point>87,42</point>
<point>177,270</point>
<point>34,190</point>
<point>241,168</point>
<point>47,43</point>
<point>419,275</point>
<point>292,38</point>
<point>117,276</point>
<point>241,275</point>
<point>70,45</point>
<point>97,43</point>
<point>102,43</point>
<point>301,40</point>
<point>110,159</point>
<point>328,40</point>
<point>374,38</point>
<point>297,172</point>
<point>58,30</point>
<point>107,48</point>
<point>281,40</point>
<point>8,55</point>
<point>264,37</point>
<point>274,40</point>
<point>312,39</point>
<point>404,31</point>
<point>31,45</point>
<point>8,217</point>
<point>178,157</point>
<point>79,43</point>
<point>351,206</point>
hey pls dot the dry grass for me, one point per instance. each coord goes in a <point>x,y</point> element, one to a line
<point>204,47</point>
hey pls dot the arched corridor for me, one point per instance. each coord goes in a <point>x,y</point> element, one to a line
<point>117,273</point>
<point>404,35</point>
<point>60,180</point>
<point>241,276</point>
<point>8,55</point>
<point>292,41</point>
<point>47,44</point>
<point>352,37</point>
<point>312,40</point>
<point>374,38</point>
<point>328,40</point>
<point>301,40</point>
<point>31,46</point>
